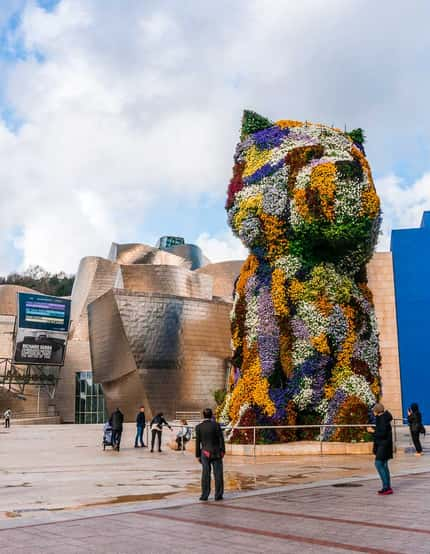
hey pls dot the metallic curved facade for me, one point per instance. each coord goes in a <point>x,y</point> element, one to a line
<point>167,352</point>
<point>157,333</point>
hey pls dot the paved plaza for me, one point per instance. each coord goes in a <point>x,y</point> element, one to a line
<point>61,493</point>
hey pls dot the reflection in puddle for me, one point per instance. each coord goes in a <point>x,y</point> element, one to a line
<point>235,481</point>
<point>107,502</point>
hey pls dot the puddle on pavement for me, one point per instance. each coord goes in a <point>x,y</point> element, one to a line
<point>347,485</point>
<point>107,502</point>
<point>241,482</point>
<point>16,486</point>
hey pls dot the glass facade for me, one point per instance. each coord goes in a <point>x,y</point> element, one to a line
<point>167,242</point>
<point>90,404</point>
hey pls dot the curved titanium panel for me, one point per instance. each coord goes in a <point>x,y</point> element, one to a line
<point>166,279</point>
<point>180,348</point>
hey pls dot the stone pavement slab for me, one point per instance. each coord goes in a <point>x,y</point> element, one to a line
<point>48,473</point>
<point>321,519</point>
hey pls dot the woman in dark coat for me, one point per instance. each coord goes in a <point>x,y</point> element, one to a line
<point>156,428</point>
<point>415,425</point>
<point>382,446</point>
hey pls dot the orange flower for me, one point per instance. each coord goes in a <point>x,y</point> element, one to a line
<point>370,203</point>
<point>321,344</point>
<point>302,207</point>
<point>284,123</point>
<point>279,296</point>
<point>323,180</point>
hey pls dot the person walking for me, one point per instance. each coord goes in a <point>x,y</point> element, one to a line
<point>382,446</point>
<point>416,427</point>
<point>140,426</point>
<point>183,435</point>
<point>156,429</point>
<point>7,415</point>
<point>116,420</point>
<point>210,450</point>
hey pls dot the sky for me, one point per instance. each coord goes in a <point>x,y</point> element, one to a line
<point>119,119</point>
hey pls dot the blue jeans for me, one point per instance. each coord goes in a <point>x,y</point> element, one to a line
<point>139,435</point>
<point>384,473</point>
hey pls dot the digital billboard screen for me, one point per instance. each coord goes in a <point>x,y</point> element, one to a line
<point>43,325</point>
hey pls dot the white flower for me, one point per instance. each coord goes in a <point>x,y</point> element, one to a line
<point>313,318</point>
<point>356,385</point>
<point>302,350</point>
<point>251,321</point>
<point>289,265</point>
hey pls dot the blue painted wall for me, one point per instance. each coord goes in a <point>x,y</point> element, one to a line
<point>411,261</point>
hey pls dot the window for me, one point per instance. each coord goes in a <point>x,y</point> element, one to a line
<point>90,404</point>
<point>164,243</point>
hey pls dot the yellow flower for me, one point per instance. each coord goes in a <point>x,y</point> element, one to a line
<point>296,290</point>
<point>252,388</point>
<point>255,159</point>
<point>252,204</point>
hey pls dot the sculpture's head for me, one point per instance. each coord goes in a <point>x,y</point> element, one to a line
<point>303,189</point>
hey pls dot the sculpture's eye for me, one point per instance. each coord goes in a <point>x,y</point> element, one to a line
<point>349,170</point>
<point>313,153</point>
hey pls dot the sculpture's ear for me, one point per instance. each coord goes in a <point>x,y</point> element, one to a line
<point>252,122</point>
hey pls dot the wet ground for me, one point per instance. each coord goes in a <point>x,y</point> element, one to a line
<point>54,469</point>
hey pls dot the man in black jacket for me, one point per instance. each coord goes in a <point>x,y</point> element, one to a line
<point>140,426</point>
<point>116,420</point>
<point>210,450</point>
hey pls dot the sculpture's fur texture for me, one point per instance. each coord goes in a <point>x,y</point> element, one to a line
<point>304,333</point>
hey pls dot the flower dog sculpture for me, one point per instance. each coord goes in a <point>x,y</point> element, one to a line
<point>304,333</point>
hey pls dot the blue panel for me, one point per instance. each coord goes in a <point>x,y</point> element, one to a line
<point>411,262</point>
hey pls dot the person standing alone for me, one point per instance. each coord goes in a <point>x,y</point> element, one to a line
<point>140,426</point>
<point>7,416</point>
<point>416,427</point>
<point>210,450</point>
<point>382,445</point>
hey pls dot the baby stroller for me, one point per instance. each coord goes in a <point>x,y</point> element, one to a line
<point>107,435</point>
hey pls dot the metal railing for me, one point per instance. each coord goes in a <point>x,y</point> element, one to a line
<point>192,416</point>
<point>321,428</point>
<point>228,432</point>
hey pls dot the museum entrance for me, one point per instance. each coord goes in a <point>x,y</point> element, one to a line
<point>90,406</point>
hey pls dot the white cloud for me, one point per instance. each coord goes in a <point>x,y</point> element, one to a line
<point>222,247</point>
<point>402,205</point>
<point>133,107</point>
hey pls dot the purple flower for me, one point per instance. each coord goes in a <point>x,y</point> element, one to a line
<point>265,171</point>
<point>268,331</point>
<point>278,397</point>
<point>269,138</point>
<point>299,329</point>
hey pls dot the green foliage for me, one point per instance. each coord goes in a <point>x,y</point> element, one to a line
<point>37,278</point>
<point>357,135</point>
<point>219,396</point>
<point>252,122</point>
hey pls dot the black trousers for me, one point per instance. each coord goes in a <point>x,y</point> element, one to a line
<point>416,440</point>
<point>157,434</point>
<point>7,423</point>
<point>207,465</point>
<point>116,437</point>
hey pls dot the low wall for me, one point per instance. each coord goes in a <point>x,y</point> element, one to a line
<point>302,448</point>
<point>48,420</point>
